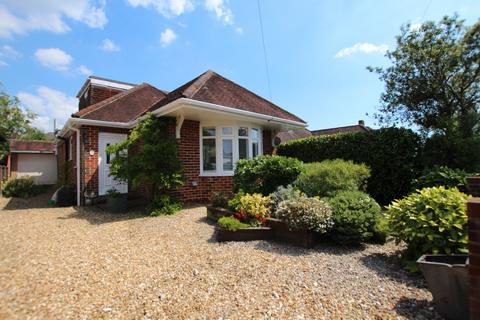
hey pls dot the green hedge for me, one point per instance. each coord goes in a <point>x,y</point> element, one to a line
<point>265,173</point>
<point>393,155</point>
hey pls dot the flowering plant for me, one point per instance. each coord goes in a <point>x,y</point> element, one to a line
<point>305,214</point>
<point>252,208</point>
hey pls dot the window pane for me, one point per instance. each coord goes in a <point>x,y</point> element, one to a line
<point>227,131</point>
<point>108,155</point>
<point>243,132</point>
<point>209,155</point>
<point>254,134</point>
<point>208,132</point>
<point>227,155</point>
<point>254,148</point>
<point>242,148</point>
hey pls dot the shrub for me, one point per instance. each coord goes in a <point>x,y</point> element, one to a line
<point>19,187</point>
<point>251,208</point>
<point>164,205</point>
<point>380,230</point>
<point>354,214</point>
<point>231,224</point>
<point>113,193</point>
<point>432,220</point>
<point>443,176</point>
<point>305,214</point>
<point>264,174</point>
<point>285,193</point>
<point>452,151</point>
<point>219,199</point>
<point>393,155</point>
<point>330,176</point>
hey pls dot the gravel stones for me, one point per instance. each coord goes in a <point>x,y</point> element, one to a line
<point>67,263</point>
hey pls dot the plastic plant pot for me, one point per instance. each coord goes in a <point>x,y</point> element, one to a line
<point>447,279</point>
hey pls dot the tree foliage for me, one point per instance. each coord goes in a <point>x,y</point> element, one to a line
<point>434,80</point>
<point>33,133</point>
<point>152,159</point>
<point>14,121</point>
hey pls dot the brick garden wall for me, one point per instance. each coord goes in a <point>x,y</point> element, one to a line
<point>474,255</point>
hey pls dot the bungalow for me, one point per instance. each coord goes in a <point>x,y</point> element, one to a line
<point>216,122</point>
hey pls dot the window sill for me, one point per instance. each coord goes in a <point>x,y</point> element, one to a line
<point>214,174</point>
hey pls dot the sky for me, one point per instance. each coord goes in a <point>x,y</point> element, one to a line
<point>316,51</point>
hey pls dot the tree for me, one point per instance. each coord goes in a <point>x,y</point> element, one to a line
<point>434,80</point>
<point>152,159</point>
<point>14,121</point>
<point>34,134</point>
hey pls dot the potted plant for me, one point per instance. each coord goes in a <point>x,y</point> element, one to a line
<point>447,279</point>
<point>116,201</point>
<point>89,198</point>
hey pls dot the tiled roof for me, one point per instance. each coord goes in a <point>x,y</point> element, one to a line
<point>346,129</point>
<point>18,146</point>
<point>213,88</point>
<point>292,135</point>
<point>208,87</point>
<point>124,106</point>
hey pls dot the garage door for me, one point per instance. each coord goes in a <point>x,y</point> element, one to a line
<point>42,167</point>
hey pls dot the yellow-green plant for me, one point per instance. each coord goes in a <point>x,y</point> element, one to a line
<point>431,220</point>
<point>252,208</point>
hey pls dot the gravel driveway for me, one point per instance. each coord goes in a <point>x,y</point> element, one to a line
<point>88,264</point>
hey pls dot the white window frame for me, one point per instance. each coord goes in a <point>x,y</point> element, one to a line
<point>219,145</point>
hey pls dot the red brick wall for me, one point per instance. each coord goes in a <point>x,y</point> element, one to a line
<point>96,94</point>
<point>189,154</point>
<point>267,142</point>
<point>196,188</point>
<point>474,255</point>
<point>474,186</point>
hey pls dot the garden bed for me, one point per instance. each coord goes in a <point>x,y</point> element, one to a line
<point>245,234</point>
<point>301,238</point>
<point>215,213</point>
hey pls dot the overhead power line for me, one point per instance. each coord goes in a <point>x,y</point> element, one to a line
<point>264,50</point>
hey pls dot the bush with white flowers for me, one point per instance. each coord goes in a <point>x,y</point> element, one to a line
<point>305,214</point>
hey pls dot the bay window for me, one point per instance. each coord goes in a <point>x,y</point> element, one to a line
<point>225,145</point>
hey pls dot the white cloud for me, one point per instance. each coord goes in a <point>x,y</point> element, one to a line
<point>239,30</point>
<point>364,47</point>
<point>54,58</point>
<point>49,104</point>
<point>21,17</point>
<point>8,53</point>
<point>167,8</point>
<point>84,70</point>
<point>167,37</point>
<point>109,45</point>
<point>415,26</point>
<point>221,10</point>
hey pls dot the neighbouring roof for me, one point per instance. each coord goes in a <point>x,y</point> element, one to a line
<point>285,136</point>
<point>345,129</point>
<point>292,135</point>
<point>29,146</point>
<point>208,87</point>
<point>213,88</point>
<point>124,106</point>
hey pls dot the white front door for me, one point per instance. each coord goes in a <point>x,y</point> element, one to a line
<point>105,181</point>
